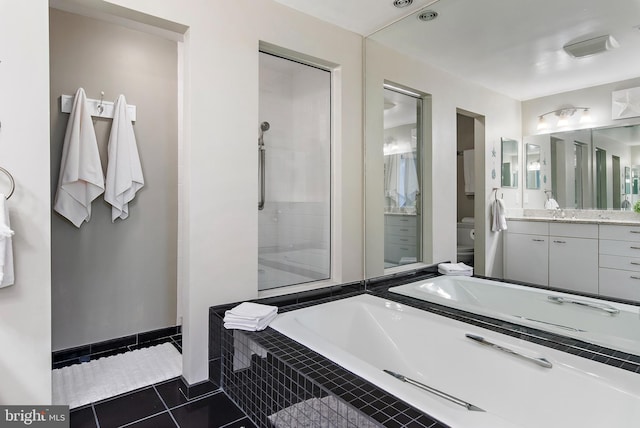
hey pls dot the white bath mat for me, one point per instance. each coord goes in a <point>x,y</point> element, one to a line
<point>96,380</point>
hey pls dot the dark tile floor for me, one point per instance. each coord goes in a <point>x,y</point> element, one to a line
<point>159,406</point>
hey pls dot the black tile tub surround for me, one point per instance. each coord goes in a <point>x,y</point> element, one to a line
<point>378,287</point>
<point>81,354</point>
<point>288,377</point>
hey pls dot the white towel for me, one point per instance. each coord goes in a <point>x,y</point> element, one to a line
<point>468,160</point>
<point>124,172</point>
<point>499,219</point>
<point>551,204</point>
<point>6,245</point>
<point>455,269</point>
<point>81,179</point>
<point>250,316</point>
<point>468,220</point>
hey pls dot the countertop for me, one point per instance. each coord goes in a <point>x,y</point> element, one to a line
<point>620,222</point>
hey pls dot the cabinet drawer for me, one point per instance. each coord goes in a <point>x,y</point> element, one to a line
<point>574,230</point>
<point>402,240</point>
<point>395,253</point>
<point>620,248</point>
<point>619,283</point>
<point>620,233</point>
<point>619,262</point>
<point>528,227</point>
<point>400,220</point>
<point>401,230</point>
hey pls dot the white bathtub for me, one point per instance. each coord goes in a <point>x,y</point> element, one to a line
<point>532,306</point>
<point>367,334</point>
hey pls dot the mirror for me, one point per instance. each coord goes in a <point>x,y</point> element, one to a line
<point>401,148</point>
<point>587,169</point>
<point>510,165</point>
<point>521,69</point>
<point>533,166</point>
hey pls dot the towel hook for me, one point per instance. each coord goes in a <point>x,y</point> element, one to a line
<point>100,107</point>
<point>13,183</point>
<point>495,193</point>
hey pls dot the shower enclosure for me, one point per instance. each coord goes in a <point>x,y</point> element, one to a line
<point>294,173</point>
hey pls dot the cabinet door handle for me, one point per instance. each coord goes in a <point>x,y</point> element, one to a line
<point>538,240</point>
<point>404,240</point>
<point>634,277</point>
<point>406,230</point>
<point>634,231</point>
<point>635,263</point>
<point>560,242</point>
<point>635,248</point>
<point>404,249</point>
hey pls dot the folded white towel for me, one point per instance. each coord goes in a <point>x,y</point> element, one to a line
<point>250,316</point>
<point>468,167</point>
<point>6,245</point>
<point>124,172</point>
<point>458,273</point>
<point>551,204</point>
<point>453,268</point>
<point>468,220</point>
<point>81,179</point>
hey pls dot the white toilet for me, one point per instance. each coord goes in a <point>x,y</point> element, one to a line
<point>465,241</point>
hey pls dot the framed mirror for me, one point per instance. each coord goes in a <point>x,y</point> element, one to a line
<point>510,164</point>
<point>533,166</point>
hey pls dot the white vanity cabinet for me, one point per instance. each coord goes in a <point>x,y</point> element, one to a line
<point>602,259</point>
<point>573,257</point>
<point>619,261</point>
<point>526,252</point>
<point>400,238</point>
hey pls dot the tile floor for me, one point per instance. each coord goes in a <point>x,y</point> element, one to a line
<point>161,406</point>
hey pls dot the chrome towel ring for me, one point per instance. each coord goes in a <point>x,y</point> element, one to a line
<point>13,183</point>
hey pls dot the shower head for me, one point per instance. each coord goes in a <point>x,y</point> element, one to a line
<point>264,126</point>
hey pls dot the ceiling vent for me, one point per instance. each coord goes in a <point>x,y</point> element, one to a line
<point>591,46</point>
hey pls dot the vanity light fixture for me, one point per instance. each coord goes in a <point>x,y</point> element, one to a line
<point>563,115</point>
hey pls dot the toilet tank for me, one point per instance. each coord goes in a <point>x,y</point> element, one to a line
<point>465,234</point>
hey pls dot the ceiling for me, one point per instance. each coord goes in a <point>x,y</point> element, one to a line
<point>513,47</point>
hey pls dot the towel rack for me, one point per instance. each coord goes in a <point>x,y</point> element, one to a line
<point>13,183</point>
<point>97,108</point>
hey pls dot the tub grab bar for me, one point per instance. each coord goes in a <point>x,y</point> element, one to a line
<point>434,391</point>
<point>551,323</point>
<point>543,362</point>
<point>560,300</point>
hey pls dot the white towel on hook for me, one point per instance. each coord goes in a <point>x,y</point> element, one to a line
<point>6,245</point>
<point>124,172</point>
<point>499,219</point>
<point>81,179</point>
<point>551,204</point>
<point>468,166</point>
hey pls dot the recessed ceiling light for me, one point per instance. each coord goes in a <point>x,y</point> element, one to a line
<point>402,3</point>
<point>428,15</point>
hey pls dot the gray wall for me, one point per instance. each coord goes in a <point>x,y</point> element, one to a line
<point>114,279</point>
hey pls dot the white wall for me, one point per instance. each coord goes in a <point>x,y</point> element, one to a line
<point>501,119</point>
<point>25,308</point>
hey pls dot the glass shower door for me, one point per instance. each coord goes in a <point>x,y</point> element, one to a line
<point>294,173</point>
